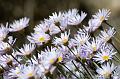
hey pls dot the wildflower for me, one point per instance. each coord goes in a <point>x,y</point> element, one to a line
<point>102,14</point>
<point>6,60</point>
<point>15,72</point>
<point>106,53</point>
<point>58,20</point>
<point>93,45</point>
<point>107,34</point>
<point>94,24</point>
<point>5,48</point>
<point>74,18</point>
<point>3,31</point>
<point>27,50</point>
<point>29,72</point>
<point>50,56</point>
<point>106,70</point>
<point>81,38</point>
<point>63,40</point>
<point>18,25</point>
<point>39,38</point>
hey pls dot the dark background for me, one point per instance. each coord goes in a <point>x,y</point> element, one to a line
<point>37,10</point>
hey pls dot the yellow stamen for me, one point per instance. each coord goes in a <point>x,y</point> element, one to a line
<point>65,40</point>
<point>30,74</point>
<point>102,18</point>
<point>106,58</point>
<point>41,39</point>
<point>51,61</point>
<point>60,59</point>
<point>94,47</point>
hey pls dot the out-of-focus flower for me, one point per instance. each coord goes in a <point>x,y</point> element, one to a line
<point>15,72</point>
<point>18,25</point>
<point>3,31</point>
<point>107,34</point>
<point>102,14</point>
<point>81,38</point>
<point>73,18</point>
<point>106,70</point>
<point>27,50</point>
<point>93,45</point>
<point>6,60</point>
<point>5,48</point>
<point>29,72</point>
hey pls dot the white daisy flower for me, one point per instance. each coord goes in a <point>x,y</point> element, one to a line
<point>3,31</point>
<point>50,56</point>
<point>6,60</point>
<point>79,52</point>
<point>107,34</point>
<point>29,72</point>
<point>63,39</point>
<point>104,56</point>
<point>5,48</point>
<point>39,38</point>
<point>15,72</point>
<point>58,20</point>
<point>93,45</point>
<point>27,50</point>
<point>106,70</point>
<point>42,27</point>
<point>81,38</point>
<point>93,24</point>
<point>18,25</point>
<point>102,14</point>
<point>46,27</point>
<point>106,53</point>
<point>74,18</point>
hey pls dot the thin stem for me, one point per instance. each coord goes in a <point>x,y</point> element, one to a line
<point>114,47</point>
<point>3,67</point>
<point>77,68</point>
<point>108,23</point>
<point>70,71</point>
<point>15,59</point>
<point>81,63</point>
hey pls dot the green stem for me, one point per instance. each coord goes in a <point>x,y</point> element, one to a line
<point>81,64</point>
<point>70,71</point>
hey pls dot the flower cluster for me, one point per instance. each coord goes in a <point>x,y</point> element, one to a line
<point>52,51</point>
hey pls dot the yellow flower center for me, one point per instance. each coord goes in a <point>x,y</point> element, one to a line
<point>106,74</point>
<point>105,58</point>
<point>60,59</point>
<point>65,40</point>
<point>30,74</point>
<point>82,42</point>
<point>94,47</point>
<point>102,18</point>
<point>51,61</point>
<point>41,39</point>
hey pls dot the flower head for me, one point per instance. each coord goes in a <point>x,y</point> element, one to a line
<point>107,34</point>
<point>3,31</point>
<point>39,38</point>
<point>73,18</point>
<point>27,50</point>
<point>106,70</point>
<point>18,25</point>
<point>63,40</point>
<point>102,14</point>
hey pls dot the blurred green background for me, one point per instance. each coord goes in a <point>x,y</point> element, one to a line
<point>37,10</point>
